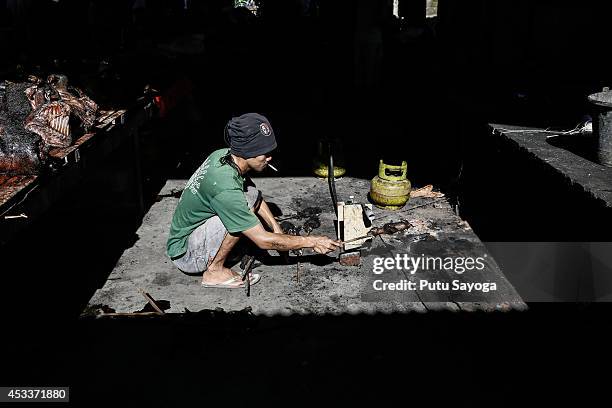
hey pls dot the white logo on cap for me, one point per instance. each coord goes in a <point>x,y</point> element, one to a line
<point>265,129</point>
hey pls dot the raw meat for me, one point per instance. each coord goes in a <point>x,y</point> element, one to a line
<point>50,122</point>
<point>82,106</point>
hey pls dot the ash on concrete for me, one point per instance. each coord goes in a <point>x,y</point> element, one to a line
<point>325,286</point>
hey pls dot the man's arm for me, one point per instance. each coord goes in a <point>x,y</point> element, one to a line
<point>264,212</point>
<point>283,242</point>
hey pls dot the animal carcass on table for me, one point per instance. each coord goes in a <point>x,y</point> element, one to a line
<point>38,115</point>
<point>53,104</point>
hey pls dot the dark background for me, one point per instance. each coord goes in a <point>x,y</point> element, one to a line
<point>413,89</point>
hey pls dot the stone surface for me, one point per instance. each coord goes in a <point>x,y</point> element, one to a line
<point>324,286</point>
<point>594,179</point>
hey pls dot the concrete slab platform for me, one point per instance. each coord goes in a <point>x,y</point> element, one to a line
<point>325,286</point>
<point>591,178</point>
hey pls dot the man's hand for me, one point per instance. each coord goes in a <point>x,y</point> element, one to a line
<point>283,242</point>
<point>323,245</point>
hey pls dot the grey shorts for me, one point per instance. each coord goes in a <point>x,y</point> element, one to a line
<point>204,242</point>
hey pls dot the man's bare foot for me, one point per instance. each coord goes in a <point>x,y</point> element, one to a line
<point>213,276</point>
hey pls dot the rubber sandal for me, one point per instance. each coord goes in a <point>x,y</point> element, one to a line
<point>231,283</point>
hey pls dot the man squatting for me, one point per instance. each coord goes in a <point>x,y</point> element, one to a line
<point>220,204</point>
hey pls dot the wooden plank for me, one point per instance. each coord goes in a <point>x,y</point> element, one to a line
<point>115,116</point>
<point>103,115</point>
<point>63,152</point>
<point>354,226</point>
<point>151,301</point>
<point>12,188</point>
<point>110,118</point>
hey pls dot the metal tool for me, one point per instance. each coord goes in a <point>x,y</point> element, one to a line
<point>388,229</point>
<point>297,272</point>
<point>299,254</point>
<point>348,241</point>
<point>331,180</point>
<point>247,265</point>
<point>308,212</point>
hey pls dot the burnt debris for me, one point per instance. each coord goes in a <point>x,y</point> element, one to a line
<point>311,224</point>
<point>19,148</point>
<point>290,228</point>
<point>391,228</point>
<point>309,212</point>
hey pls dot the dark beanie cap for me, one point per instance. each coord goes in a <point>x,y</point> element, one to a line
<point>250,135</point>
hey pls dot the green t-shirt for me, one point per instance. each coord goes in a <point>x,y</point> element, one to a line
<point>214,189</point>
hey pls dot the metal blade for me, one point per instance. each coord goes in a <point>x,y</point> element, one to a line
<point>331,179</point>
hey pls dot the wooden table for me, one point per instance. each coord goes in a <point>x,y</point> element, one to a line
<point>25,198</point>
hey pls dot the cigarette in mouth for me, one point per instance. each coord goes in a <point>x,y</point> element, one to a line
<point>272,167</point>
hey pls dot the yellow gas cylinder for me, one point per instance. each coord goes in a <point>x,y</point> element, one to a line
<point>390,191</point>
<point>320,165</point>
<point>321,170</point>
